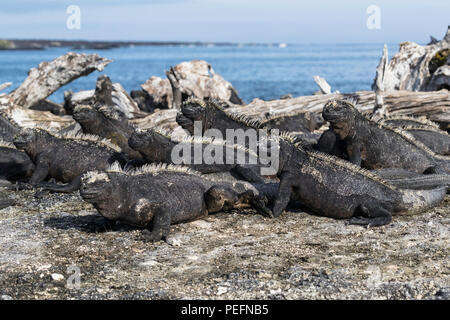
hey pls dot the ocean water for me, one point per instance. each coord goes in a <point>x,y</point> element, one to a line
<point>255,71</point>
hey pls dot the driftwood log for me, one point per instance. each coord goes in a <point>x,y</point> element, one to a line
<point>323,85</point>
<point>50,76</point>
<point>379,109</point>
<point>188,79</point>
<point>197,79</point>
<point>433,105</point>
<point>159,92</point>
<point>105,93</point>
<point>416,67</point>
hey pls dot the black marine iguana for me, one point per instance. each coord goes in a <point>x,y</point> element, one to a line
<point>373,145</point>
<point>8,128</point>
<point>423,130</point>
<point>331,144</point>
<point>406,121</point>
<point>157,146</point>
<point>435,139</point>
<point>335,188</point>
<point>65,157</point>
<point>212,114</point>
<point>294,121</point>
<point>160,195</point>
<point>106,123</point>
<point>15,165</point>
<point>401,178</point>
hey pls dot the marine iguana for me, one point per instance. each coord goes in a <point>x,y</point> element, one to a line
<point>435,139</point>
<point>8,128</point>
<point>401,178</point>
<point>212,114</point>
<point>65,157</point>
<point>294,121</point>
<point>15,165</point>
<point>423,130</point>
<point>374,145</point>
<point>158,146</point>
<point>335,188</point>
<point>106,123</point>
<point>331,144</point>
<point>156,196</point>
<point>406,121</point>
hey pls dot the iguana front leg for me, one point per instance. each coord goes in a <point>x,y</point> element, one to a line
<point>40,172</point>
<point>327,142</point>
<point>258,202</point>
<point>283,195</point>
<point>354,154</point>
<point>161,226</point>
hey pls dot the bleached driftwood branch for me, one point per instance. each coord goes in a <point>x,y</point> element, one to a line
<point>418,68</point>
<point>50,76</point>
<point>5,85</point>
<point>323,85</point>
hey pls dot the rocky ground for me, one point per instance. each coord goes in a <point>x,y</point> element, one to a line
<point>238,255</point>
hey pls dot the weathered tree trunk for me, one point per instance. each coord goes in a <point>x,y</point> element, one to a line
<point>177,97</point>
<point>197,79</point>
<point>431,104</point>
<point>50,76</point>
<point>323,85</point>
<point>28,118</point>
<point>379,109</point>
<point>418,68</point>
<point>160,93</point>
<point>162,119</point>
<point>106,93</point>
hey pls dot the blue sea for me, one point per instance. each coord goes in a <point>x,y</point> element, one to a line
<point>264,72</point>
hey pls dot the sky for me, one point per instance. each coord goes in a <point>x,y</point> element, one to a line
<point>240,21</point>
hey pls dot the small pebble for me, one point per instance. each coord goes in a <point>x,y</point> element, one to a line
<point>57,277</point>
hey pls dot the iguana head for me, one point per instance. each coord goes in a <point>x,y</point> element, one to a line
<point>84,114</point>
<point>103,90</point>
<point>152,144</point>
<point>192,110</point>
<point>341,116</point>
<point>99,189</point>
<point>25,138</point>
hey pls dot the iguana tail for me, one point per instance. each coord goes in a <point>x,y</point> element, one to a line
<point>426,181</point>
<point>417,201</point>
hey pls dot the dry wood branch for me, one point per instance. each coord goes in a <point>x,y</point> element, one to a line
<point>50,76</point>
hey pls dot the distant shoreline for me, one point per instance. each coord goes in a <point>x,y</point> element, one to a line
<point>41,44</point>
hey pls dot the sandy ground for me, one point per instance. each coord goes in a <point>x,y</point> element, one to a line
<point>47,244</point>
